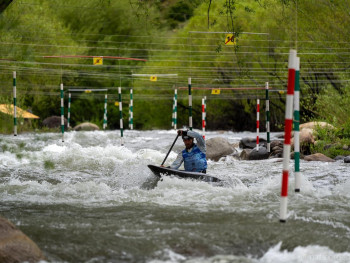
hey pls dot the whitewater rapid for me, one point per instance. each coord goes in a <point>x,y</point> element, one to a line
<point>90,199</point>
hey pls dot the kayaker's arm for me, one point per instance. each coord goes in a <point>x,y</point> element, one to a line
<point>178,161</point>
<point>200,140</point>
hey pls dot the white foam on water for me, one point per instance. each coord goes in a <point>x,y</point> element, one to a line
<point>308,254</point>
<point>343,189</point>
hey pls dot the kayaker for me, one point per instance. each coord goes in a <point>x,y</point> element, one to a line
<point>194,155</point>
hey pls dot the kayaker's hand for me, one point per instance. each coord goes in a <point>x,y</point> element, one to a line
<point>179,132</point>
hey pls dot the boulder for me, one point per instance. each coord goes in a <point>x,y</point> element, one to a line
<point>313,124</point>
<point>305,137</point>
<point>54,122</point>
<point>218,147</point>
<point>278,143</point>
<point>86,126</point>
<point>250,143</point>
<point>318,157</point>
<point>245,154</point>
<point>276,149</point>
<point>347,159</point>
<point>16,246</point>
<point>258,154</point>
<point>339,158</point>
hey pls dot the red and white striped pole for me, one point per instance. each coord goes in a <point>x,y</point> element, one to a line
<point>257,123</point>
<point>203,118</point>
<point>267,118</point>
<point>292,61</point>
<point>205,110</point>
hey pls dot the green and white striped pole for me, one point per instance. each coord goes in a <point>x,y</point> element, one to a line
<point>62,113</point>
<point>175,109</point>
<point>120,115</point>
<point>105,113</point>
<point>131,111</point>
<point>190,103</point>
<point>172,113</point>
<point>14,105</point>
<point>68,114</point>
<point>296,127</point>
<point>267,118</point>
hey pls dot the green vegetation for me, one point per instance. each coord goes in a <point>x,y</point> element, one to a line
<point>331,142</point>
<point>166,35</point>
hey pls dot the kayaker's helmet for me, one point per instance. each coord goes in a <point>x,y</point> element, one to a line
<point>186,137</point>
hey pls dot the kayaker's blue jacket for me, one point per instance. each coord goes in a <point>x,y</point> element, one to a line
<point>195,158</point>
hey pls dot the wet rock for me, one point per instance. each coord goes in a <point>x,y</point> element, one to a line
<point>219,147</point>
<point>86,126</point>
<point>54,122</point>
<point>339,158</point>
<point>245,154</point>
<point>347,159</point>
<point>318,157</point>
<point>275,143</point>
<point>16,246</point>
<point>250,143</point>
<point>260,154</point>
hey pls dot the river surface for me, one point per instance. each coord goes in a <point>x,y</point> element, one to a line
<point>89,199</point>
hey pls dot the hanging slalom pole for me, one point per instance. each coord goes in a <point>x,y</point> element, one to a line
<point>296,127</point>
<point>175,109</point>
<point>68,114</point>
<point>267,118</point>
<point>287,134</point>
<point>257,123</point>
<point>203,118</point>
<point>120,115</point>
<point>105,113</point>
<point>14,105</point>
<point>172,113</point>
<point>190,103</point>
<point>205,110</point>
<point>131,111</point>
<point>62,113</point>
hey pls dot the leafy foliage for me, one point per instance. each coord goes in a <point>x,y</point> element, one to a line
<point>33,29</point>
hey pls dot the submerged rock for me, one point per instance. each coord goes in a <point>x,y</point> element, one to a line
<point>16,246</point>
<point>86,126</point>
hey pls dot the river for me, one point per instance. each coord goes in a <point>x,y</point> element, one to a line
<point>89,199</point>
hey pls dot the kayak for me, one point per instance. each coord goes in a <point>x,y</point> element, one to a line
<point>159,171</point>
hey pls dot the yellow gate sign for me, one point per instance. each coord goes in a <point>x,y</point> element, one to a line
<point>230,39</point>
<point>116,103</point>
<point>215,91</point>
<point>98,60</point>
<point>153,78</point>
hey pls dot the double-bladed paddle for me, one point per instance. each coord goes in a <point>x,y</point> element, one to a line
<point>170,148</point>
